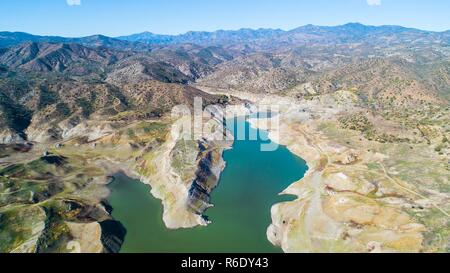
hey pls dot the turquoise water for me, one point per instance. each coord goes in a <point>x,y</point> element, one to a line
<point>247,189</point>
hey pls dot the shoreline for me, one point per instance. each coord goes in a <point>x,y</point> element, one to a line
<point>182,199</point>
<point>335,210</point>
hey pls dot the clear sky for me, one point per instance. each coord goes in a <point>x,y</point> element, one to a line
<point>122,17</point>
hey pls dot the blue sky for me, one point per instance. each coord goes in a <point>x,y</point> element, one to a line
<point>121,17</point>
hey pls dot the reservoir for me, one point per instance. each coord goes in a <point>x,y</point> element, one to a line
<point>249,185</point>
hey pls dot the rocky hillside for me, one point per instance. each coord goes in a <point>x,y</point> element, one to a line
<point>71,116</point>
<point>46,57</point>
<point>48,109</point>
<point>385,64</point>
<point>46,80</point>
<point>46,89</point>
<point>73,111</point>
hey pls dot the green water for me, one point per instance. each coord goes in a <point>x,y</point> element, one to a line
<point>247,189</point>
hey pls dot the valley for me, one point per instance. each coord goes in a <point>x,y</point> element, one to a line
<point>87,133</point>
<point>237,224</point>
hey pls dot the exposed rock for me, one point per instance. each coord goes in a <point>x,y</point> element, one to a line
<point>112,235</point>
<point>86,238</point>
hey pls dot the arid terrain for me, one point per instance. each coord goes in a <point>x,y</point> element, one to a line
<point>368,109</point>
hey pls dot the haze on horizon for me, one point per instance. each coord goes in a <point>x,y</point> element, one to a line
<point>75,18</point>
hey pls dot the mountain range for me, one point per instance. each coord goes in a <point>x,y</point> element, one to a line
<point>42,77</point>
<point>366,106</point>
<point>352,32</point>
